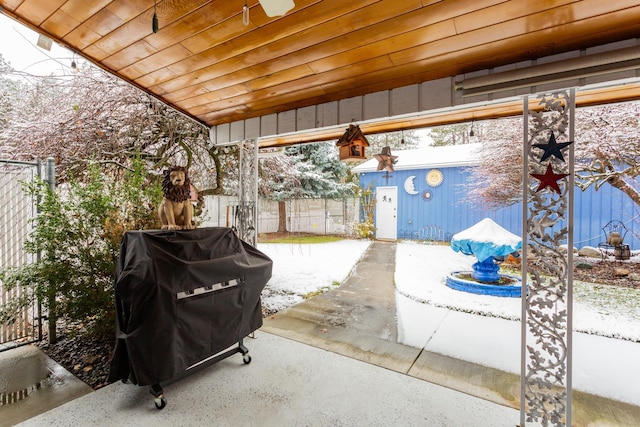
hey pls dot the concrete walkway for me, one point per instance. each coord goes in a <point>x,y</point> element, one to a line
<point>358,320</point>
<point>333,360</point>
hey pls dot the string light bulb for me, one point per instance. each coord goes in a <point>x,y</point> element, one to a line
<point>154,22</point>
<point>471,132</point>
<point>74,64</point>
<point>245,13</point>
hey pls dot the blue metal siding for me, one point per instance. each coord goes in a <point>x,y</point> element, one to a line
<point>593,209</point>
<point>449,211</point>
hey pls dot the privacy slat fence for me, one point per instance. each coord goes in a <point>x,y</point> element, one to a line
<point>16,212</point>
<point>317,216</point>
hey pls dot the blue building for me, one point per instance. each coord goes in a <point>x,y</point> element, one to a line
<point>425,197</point>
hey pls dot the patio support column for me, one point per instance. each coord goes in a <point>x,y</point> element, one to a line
<point>248,192</point>
<point>547,284</point>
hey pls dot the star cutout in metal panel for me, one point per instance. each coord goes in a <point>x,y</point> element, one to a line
<point>553,148</point>
<point>549,179</point>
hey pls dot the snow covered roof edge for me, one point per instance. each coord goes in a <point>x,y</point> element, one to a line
<point>429,157</point>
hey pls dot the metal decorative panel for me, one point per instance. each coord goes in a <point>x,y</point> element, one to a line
<point>547,269</point>
<point>248,192</point>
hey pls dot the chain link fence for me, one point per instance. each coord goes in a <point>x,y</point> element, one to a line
<point>17,210</point>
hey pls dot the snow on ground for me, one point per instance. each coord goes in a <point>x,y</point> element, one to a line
<point>302,269</point>
<point>421,269</point>
<point>445,321</point>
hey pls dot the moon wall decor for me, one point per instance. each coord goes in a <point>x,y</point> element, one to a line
<point>409,186</point>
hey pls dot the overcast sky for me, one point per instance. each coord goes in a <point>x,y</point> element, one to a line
<point>19,47</point>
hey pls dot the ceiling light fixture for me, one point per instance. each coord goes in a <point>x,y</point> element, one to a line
<point>44,42</point>
<point>276,7</point>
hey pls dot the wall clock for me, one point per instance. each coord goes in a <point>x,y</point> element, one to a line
<point>434,177</point>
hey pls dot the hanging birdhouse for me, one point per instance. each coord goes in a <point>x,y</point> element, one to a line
<point>352,144</point>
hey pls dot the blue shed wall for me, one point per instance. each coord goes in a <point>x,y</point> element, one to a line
<point>449,210</point>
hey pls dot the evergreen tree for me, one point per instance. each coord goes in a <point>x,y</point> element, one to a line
<point>305,171</point>
<point>321,171</point>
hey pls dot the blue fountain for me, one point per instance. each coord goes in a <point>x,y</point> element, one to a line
<point>486,240</point>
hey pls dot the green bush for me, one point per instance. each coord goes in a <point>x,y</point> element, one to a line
<point>77,235</point>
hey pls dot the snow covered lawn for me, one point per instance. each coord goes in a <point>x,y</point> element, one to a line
<point>420,275</point>
<point>300,270</point>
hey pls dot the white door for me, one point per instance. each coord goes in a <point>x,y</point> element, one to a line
<point>386,213</point>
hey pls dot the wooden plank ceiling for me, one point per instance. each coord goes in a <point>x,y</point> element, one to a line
<point>204,62</point>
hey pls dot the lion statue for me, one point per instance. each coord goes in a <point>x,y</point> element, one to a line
<point>176,210</point>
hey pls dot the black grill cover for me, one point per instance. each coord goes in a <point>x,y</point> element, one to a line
<point>181,297</point>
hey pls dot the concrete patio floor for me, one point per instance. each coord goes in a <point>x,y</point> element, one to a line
<point>334,360</point>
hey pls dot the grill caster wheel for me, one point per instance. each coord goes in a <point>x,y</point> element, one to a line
<point>160,402</point>
<point>246,359</point>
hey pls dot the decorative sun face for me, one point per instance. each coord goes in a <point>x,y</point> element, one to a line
<point>434,177</point>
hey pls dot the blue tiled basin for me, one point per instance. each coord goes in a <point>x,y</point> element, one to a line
<point>508,290</point>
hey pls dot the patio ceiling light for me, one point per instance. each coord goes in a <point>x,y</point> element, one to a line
<point>276,7</point>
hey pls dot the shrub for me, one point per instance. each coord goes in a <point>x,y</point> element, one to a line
<point>78,233</point>
<point>365,230</point>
